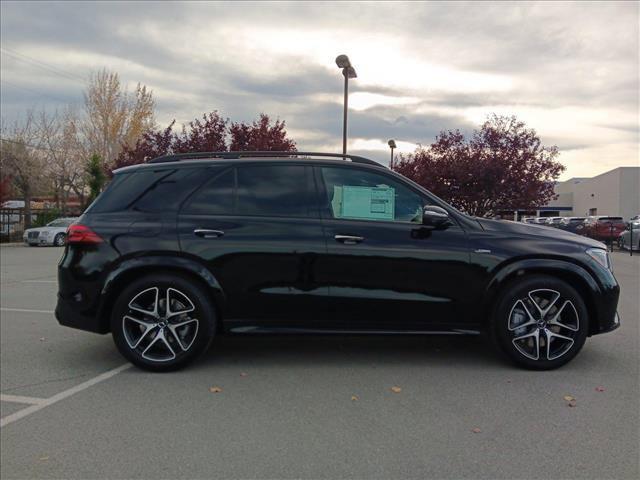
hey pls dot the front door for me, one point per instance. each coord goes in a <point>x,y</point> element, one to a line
<point>384,269</point>
<point>258,230</point>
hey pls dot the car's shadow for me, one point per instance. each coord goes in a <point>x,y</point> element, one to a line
<point>352,350</point>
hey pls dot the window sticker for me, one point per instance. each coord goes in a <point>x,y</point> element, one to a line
<point>370,203</point>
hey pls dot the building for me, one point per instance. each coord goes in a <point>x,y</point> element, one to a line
<point>614,193</point>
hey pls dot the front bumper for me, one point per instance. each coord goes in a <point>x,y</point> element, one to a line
<point>38,241</point>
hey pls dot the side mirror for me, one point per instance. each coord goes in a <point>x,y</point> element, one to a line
<point>435,217</point>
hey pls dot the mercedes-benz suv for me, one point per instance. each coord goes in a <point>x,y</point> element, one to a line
<point>190,246</point>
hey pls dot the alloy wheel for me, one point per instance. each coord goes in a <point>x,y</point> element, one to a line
<point>543,325</point>
<point>161,324</point>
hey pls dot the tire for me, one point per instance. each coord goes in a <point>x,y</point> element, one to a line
<point>161,342</point>
<point>58,240</point>
<point>522,334</point>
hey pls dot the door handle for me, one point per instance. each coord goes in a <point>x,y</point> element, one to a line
<point>348,239</point>
<point>204,233</point>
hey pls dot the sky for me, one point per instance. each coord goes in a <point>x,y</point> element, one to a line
<point>568,70</point>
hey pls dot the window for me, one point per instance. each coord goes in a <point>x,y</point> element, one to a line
<point>60,223</point>
<point>147,190</point>
<point>275,190</point>
<point>215,197</point>
<point>363,195</point>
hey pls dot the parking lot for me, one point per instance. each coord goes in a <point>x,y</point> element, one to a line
<point>312,407</point>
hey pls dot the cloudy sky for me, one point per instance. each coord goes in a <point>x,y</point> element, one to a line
<point>569,70</point>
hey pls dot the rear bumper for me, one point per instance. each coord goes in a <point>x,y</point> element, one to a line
<point>70,314</point>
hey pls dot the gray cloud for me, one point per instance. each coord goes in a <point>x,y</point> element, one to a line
<point>558,56</point>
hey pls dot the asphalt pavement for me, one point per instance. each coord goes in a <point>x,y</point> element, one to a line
<point>308,407</point>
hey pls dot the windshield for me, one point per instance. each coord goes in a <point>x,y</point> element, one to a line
<point>60,223</point>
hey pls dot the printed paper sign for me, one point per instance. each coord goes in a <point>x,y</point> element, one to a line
<point>372,203</point>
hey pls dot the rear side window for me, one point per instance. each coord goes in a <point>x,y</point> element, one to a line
<point>275,190</point>
<point>150,191</point>
<point>216,197</point>
<point>257,190</point>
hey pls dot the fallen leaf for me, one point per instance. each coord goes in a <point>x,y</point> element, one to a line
<point>354,398</point>
<point>395,389</point>
<point>243,374</point>
<point>215,389</point>
<point>599,389</point>
<point>572,403</point>
<point>476,430</point>
<point>568,398</point>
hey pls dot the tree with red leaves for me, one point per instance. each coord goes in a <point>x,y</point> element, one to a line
<point>208,134</point>
<point>503,166</point>
<point>152,144</point>
<point>261,135</point>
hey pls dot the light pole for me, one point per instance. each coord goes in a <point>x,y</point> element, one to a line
<point>392,145</point>
<point>348,72</point>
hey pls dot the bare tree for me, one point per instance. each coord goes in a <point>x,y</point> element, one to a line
<point>22,156</point>
<point>114,117</point>
<point>65,154</point>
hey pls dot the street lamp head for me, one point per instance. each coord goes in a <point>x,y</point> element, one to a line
<point>343,61</point>
<point>392,143</point>
<point>349,72</point>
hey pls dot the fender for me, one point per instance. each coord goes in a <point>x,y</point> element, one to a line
<point>595,284</point>
<point>519,267</point>
<point>172,262</point>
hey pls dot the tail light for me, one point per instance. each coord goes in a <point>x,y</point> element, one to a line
<point>81,234</point>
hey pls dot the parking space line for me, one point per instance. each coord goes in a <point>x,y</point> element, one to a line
<point>25,310</point>
<point>62,395</point>
<point>21,399</point>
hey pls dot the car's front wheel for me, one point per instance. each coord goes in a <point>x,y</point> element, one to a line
<point>540,322</point>
<point>58,240</point>
<point>162,322</point>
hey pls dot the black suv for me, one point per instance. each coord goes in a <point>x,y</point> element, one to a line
<point>185,247</point>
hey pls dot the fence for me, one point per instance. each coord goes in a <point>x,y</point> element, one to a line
<point>12,221</point>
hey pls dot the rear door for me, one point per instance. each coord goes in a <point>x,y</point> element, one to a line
<point>257,228</point>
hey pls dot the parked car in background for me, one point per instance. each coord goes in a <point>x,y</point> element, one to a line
<point>603,228</point>
<point>534,220</point>
<point>53,233</point>
<point>630,238</point>
<point>572,224</point>
<point>553,221</point>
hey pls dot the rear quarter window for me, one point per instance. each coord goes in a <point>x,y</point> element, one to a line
<point>148,190</point>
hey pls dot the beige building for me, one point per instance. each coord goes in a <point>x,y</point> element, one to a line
<point>614,193</point>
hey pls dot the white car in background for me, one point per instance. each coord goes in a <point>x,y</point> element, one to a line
<point>53,233</point>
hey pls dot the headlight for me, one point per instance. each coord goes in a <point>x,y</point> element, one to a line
<point>601,256</point>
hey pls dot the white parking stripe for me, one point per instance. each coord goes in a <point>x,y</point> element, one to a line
<point>62,395</point>
<point>25,310</point>
<point>21,399</point>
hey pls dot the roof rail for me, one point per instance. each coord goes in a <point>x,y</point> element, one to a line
<point>176,157</point>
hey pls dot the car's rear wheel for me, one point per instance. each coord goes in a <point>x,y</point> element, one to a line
<point>58,240</point>
<point>540,322</point>
<point>163,322</point>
